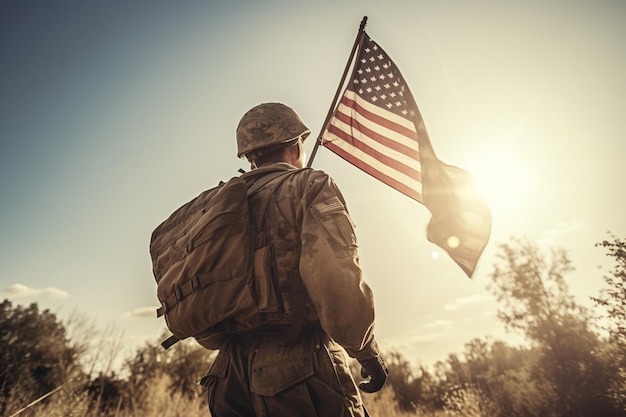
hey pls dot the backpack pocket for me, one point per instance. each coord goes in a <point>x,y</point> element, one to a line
<point>273,377</point>
<point>264,271</point>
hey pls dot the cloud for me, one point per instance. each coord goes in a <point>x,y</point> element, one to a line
<point>561,229</point>
<point>460,302</point>
<point>438,323</point>
<point>141,313</point>
<point>412,341</point>
<point>22,291</point>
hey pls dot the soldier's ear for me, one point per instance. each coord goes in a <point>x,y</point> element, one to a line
<point>301,151</point>
<point>298,154</point>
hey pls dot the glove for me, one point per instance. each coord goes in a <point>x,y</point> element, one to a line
<point>376,369</point>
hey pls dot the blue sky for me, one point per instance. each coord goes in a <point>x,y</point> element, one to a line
<point>113,114</point>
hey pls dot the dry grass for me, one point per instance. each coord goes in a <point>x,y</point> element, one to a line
<point>157,402</point>
<point>384,404</point>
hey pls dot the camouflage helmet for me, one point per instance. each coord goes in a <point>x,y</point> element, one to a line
<point>268,125</point>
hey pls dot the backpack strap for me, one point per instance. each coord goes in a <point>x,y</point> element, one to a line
<point>298,300</point>
<point>264,180</point>
<point>258,183</point>
<point>169,342</point>
<point>298,291</point>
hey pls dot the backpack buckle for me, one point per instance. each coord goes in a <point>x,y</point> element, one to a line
<point>178,293</point>
<point>195,282</point>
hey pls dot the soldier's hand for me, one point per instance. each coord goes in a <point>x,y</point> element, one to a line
<point>376,369</point>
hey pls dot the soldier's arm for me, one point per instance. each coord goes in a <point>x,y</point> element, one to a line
<point>329,266</point>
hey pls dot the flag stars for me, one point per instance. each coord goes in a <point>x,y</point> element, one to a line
<point>378,80</point>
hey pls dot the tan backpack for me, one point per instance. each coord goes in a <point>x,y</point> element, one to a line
<point>202,259</point>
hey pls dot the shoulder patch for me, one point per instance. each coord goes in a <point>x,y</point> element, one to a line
<point>330,205</point>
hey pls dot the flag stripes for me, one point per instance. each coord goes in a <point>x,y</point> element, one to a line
<point>378,142</point>
<point>365,163</point>
<point>367,124</point>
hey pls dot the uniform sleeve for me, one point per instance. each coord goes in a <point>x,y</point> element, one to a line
<point>329,266</point>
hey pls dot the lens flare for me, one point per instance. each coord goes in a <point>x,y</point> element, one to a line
<point>502,180</point>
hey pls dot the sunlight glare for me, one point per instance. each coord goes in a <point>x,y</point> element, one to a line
<point>501,179</point>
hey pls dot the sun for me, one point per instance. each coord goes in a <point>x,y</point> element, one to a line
<point>502,179</point>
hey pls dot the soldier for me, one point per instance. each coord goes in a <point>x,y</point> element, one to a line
<point>291,362</point>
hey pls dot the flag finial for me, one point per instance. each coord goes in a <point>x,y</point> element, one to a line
<point>363,23</point>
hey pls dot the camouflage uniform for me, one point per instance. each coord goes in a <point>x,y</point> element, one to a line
<point>272,370</point>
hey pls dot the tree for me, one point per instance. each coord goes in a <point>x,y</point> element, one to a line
<point>514,385</point>
<point>493,379</point>
<point>536,301</point>
<point>532,291</point>
<point>179,368</point>
<point>613,299</point>
<point>185,364</point>
<point>35,357</point>
<point>106,394</point>
<point>406,387</point>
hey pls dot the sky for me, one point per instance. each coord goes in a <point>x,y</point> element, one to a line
<point>113,114</point>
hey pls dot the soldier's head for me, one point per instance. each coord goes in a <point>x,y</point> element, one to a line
<point>271,132</point>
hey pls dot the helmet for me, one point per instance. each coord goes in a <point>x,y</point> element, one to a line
<point>267,125</point>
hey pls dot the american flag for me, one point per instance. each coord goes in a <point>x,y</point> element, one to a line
<point>378,127</point>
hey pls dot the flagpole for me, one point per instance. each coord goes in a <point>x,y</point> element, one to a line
<point>357,42</point>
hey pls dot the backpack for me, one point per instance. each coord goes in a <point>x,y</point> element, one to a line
<point>202,260</point>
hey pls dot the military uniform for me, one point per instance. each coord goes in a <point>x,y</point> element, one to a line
<point>291,362</point>
<point>289,358</point>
